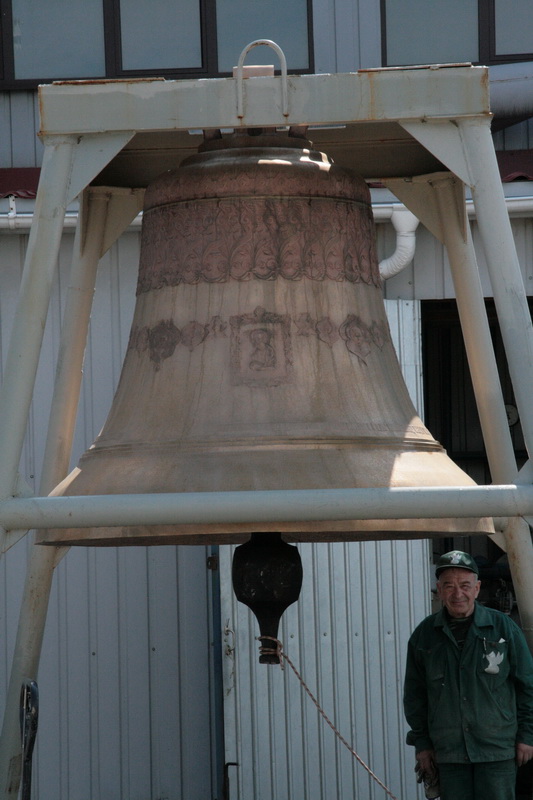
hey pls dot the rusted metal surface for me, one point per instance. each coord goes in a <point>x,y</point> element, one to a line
<point>351,112</point>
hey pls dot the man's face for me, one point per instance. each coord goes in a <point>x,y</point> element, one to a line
<point>458,589</point>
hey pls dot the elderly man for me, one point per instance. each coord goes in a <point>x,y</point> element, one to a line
<point>468,694</point>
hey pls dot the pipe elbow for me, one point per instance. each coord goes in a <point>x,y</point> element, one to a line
<point>405,224</point>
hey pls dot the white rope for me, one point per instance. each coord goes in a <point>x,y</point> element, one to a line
<point>278,651</point>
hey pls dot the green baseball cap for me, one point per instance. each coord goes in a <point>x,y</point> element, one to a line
<point>457,559</point>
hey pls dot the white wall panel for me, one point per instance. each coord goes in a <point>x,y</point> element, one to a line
<point>428,277</point>
<point>347,35</point>
<point>19,123</point>
<point>516,137</point>
<point>126,676</point>
<point>347,636</point>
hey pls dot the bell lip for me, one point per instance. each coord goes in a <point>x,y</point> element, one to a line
<point>291,532</point>
<point>409,442</point>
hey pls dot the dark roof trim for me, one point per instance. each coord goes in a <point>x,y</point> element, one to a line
<point>515,165</point>
<point>19,181</point>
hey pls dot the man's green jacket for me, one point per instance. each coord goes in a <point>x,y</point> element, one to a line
<point>472,704</point>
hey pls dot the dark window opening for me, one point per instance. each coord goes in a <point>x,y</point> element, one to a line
<point>450,413</point>
<point>449,402</point>
<point>97,39</point>
<point>453,31</point>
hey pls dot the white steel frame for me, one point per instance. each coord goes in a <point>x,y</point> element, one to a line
<point>424,132</point>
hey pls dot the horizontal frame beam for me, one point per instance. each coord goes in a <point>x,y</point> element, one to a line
<point>266,506</point>
<point>341,98</point>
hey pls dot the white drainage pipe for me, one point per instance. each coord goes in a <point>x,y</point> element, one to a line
<point>405,224</point>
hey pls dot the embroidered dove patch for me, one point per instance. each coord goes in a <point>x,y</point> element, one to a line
<point>494,659</point>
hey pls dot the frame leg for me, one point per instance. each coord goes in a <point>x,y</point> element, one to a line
<point>478,341</point>
<point>67,387</point>
<point>42,560</point>
<point>438,201</point>
<point>504,268</point>
<point>30,317</point>
<point>490,402</point>
<point>25,662</point>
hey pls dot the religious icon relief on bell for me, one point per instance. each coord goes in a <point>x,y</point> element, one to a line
<point>261,353</point>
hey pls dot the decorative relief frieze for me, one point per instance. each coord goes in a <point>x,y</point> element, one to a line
<point>218,240</point>
<point>305,325</point>
<point>356,336</point>
<point>327,331</point>
<point>260,342</point>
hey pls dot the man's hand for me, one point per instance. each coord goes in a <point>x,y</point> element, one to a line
<point>426,766</point>
<point>524,753</point>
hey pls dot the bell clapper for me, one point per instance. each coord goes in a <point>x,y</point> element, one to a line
<point>267,577</point>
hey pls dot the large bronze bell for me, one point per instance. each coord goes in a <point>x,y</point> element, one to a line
<point>260,356</point>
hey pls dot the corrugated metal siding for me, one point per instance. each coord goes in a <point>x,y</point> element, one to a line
<point>429,278</point>
<point>126,677</point>
<point>347,636</point>
<point>347,35</point>
<point>516,137</point>
<point>19,123</point>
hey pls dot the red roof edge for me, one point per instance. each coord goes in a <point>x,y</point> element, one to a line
<point>19,181</point>
<point>515,165</point>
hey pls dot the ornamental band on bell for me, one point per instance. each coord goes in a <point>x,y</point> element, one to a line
<point>261,351</point>
<point>243,239</point>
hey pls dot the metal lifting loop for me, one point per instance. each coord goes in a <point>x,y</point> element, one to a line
<point>283,65</point>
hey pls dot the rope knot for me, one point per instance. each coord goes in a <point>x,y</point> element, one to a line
<point>266,650</point>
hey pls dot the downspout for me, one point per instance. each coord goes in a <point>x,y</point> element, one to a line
<point>405,224</point>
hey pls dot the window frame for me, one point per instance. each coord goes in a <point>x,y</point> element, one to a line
<point>486,38</point>
<point>113,50</point>
<point>487,17</point>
